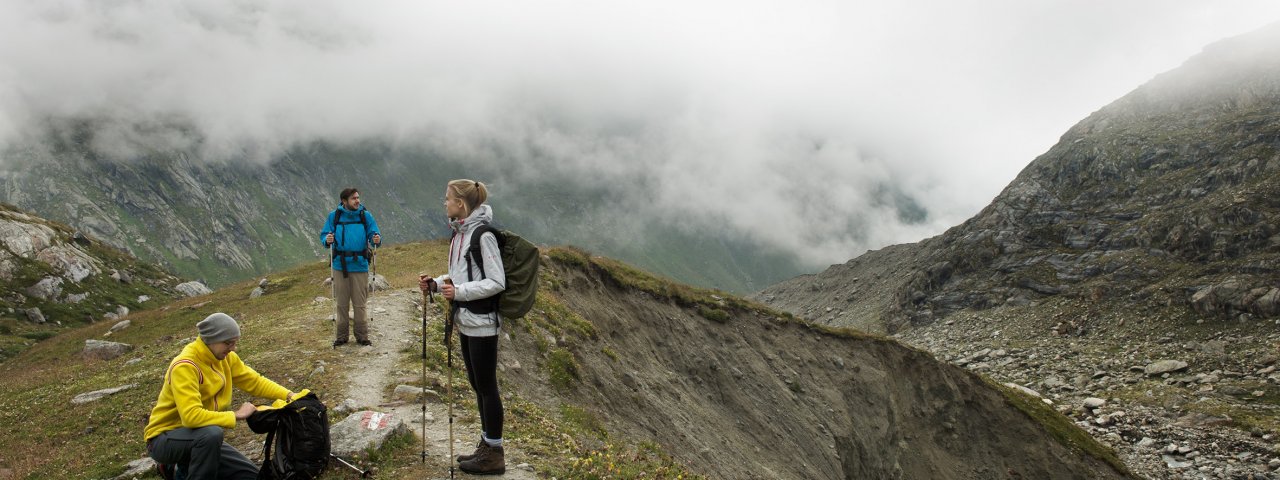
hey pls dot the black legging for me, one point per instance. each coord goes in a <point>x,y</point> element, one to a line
<point>480,354</point>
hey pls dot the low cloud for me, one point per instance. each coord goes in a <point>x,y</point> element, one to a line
<point>823,128</point>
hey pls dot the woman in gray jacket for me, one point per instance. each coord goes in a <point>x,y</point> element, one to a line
<point>472,296</point>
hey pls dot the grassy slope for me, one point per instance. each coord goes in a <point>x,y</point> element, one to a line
<point>286,335</point>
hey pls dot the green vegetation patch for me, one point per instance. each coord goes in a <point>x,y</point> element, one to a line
<point>577,447</point>
<point>562,369</point>
<point>1059,426</point>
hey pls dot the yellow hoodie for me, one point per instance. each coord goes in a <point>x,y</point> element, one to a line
<point>197,390</point>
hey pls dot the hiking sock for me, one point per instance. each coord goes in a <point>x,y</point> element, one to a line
<point>493,442</point>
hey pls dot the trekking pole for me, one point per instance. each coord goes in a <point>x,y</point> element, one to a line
<point>448,347</point>
<point>427,297</point>
<point>363,473</point>
<point>333,254</point>
<point>373,265</point>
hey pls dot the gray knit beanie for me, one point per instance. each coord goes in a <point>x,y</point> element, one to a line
<point>218,327</point>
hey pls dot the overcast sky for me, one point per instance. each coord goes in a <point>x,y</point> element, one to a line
<point>776,119</point>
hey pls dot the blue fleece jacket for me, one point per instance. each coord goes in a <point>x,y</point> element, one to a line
<point>350,236</point>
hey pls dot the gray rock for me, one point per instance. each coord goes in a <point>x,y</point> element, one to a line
<point>629,379</point>
<point>121,326</point>
<point>1268,304</point>
<point>48,288</point>
<point>75,297</point>
<point>347,406</point>
<point>1023,389</point>
<point>257,292</point>
<point>365,430</point>
<point>74,263</point>
<point>193,289</point>
<point>122,311</point>
<point>98,394</point>
<point>1164,366</point>
<point>1094,402</point>
<point>1173,462</point>
<point>1200,420</point>
<point>34,315</point>
<point>1232,390</point>
<point>378,282</point>
<point>263,283</point>
<point>125,277</point>
<point>105,350</point>
<point>143,298</point>
<point>138,468</point>
<point>409,392</point>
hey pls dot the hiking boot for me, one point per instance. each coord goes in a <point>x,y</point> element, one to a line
<point>339,343</point>
<point>166,471</point>
<point>170,472</point>
<point>488,461</point>
<point>479,447</point>
<point>365,343</point>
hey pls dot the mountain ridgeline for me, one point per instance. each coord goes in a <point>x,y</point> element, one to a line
<point>1168,196</point>
<point>223,221</point>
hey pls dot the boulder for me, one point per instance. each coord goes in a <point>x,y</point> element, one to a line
<point>138,468</point>
<point>1268,304</point>
<point>48,288</point>
<point>98,394</point>
<point>34,315</point>
<point>410,392</point>
<point>1164,366</point>
<point>25,239</point>
<point>363,431</point>
<point>257,292</point>
<point>74,263</point>
<point>121,326</point>
<point>347,406</point>
<point>378,282</point>
<point>105,350</point>
<point>193,289</point>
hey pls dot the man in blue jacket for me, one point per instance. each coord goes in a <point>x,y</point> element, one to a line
<point>350,230</point>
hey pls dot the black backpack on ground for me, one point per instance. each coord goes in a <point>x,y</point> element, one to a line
<point>299,431</point>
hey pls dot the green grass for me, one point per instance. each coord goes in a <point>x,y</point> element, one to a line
<point>1059,426</point>
<point>562,369</point>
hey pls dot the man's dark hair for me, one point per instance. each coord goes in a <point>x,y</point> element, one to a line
<point>347,193</point>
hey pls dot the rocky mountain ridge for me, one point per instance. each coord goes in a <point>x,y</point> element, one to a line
<point>54,277</point>
<point>1147,238</point>
<point>224,221</point>
<point>1170,195</point>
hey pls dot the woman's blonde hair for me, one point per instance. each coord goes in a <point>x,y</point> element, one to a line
<point>472,193</point>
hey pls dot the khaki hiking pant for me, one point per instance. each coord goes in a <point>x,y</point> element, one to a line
<point>351,293</point>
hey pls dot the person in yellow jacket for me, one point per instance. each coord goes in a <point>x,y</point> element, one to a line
<point>193,410</point>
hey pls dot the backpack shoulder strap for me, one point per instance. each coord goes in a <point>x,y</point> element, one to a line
<point>474,250</point>
<point>268,470</point>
